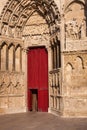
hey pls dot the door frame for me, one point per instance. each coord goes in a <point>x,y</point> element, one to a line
<point>31,47</point>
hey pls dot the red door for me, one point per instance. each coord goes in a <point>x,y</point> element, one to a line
<point>38,77</point>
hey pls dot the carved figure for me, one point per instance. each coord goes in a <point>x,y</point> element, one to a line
<point>19,10</point>
<point>13,20</point>
<point>6,17</point>
<point>2,88</point>
<point>13,5</point>
<point>18,32</point>
<point>82,29</point>
<point>25,3</point>
<point>9,31</point>
<point>5,29</point>
<point>72,29</point>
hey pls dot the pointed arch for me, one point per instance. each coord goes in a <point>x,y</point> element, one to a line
<point>10,45</point>
<point>16,13</point>
<point>18,58</point>
<point>4,56</point>
<point>11,57</point>
<point>79,62</point>
<point>69,66</point>
<point>68,72</point>
<point>74,1</point>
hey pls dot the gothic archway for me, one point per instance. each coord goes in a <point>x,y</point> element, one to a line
<point>14,18</point>
<point>16,13</point>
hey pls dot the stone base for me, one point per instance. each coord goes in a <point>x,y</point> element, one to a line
<point>11,111</point>
<point>54,112</point>
<point>72,114</point>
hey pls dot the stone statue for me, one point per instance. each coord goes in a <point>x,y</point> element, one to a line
<point>82,29</point>
<point>5,29</point>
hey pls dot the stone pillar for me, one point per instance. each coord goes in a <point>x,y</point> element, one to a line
<point>21,59</point>
<point>62,48</point>
<point>7,58</point>
<point>25,77</point>
<point>49,58</point>
<point>14,59</point>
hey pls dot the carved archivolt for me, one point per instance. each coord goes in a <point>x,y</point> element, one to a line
<point>16,13</point>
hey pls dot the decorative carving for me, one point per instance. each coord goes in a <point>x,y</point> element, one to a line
<point>7,16</point>
<point>13,5</point>
<point>2,88</point>
<point>22,20</point>
<point>83,28</point>
<point>19,10</point>
<point>25,2</point>
<point>18,32</point>
<point>27,12</point>
<point>74,30</point>
<point>11,31</point>
<point>9,83</point>
<point>13,20</point>
<point>5,29</point>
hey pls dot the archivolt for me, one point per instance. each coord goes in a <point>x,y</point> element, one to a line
<point>17,12</point>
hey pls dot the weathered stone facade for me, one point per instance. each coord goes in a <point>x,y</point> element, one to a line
<point>60,26</point>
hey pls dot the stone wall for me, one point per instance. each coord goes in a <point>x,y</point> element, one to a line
<point>12,92</point>
<point>75,84</point>
<point>12,83</point>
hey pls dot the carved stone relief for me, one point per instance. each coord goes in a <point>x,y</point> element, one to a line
<point>25,2</point>
<point>7,16</point>
<point>75,24</point>
<point>27,12</point>
<point>13,20</point>
<point>18,32</point>
<point>5,29</point>
<point>74,30</point>
<point>11,31</point>
<point>22,20</point>
<point>13,5</point>
<point>19,10</point>
<point>9,83</point>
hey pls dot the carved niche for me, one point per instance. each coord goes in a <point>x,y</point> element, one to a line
<point>6,16</point>
<point>13,4</point>
<point>75,24</point>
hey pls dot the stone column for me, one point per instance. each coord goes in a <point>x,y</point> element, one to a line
<point>62,48</point>
<point>14,59</point>
<point>25,77</point>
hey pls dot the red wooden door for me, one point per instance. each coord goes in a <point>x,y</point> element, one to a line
<point>38,77</point>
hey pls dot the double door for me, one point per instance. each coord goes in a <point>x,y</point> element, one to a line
<point>37,79</point>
